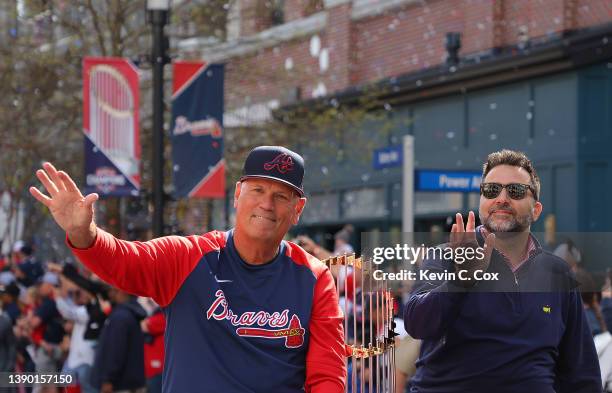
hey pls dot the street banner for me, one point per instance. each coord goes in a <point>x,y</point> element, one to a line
<point>197,130</point>
<point>110,125</point>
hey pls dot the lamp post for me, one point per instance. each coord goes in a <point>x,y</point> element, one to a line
<point>158,15</point>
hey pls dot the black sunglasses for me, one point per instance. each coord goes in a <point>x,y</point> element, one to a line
<point>515,190</point>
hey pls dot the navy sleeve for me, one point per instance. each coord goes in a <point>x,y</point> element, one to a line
<point>114,356</point>
<point>433,305</point>
<point>71,273</point>
<point>578,364</point>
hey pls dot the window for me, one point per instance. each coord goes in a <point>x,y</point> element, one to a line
<point>321,207</point>
<point>277,12</point>
<point>367,202</point>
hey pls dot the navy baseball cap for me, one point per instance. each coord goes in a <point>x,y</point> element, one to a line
<point>275,163</point>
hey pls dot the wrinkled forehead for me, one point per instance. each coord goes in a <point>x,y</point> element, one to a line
<point>268,184</point>
<point>505,174</point>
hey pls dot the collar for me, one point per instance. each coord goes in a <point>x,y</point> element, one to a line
<point>532,247</point>
<point>232,247</point>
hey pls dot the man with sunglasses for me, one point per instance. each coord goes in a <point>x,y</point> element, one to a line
<point>523,330</point>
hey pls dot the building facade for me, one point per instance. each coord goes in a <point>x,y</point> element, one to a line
<point>529,75</point>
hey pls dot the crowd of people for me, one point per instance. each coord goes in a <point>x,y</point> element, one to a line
<point>59,318</point>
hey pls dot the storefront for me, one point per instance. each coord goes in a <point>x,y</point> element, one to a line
<point>553,103</point>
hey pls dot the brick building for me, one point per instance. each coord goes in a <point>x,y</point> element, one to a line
<point>532,75</point>
<point>366,41</point>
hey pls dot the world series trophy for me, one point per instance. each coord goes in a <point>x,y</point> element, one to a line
<point>369,335</point>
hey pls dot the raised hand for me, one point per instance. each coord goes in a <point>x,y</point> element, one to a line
<point>70,209</point>
<point>465,236</point>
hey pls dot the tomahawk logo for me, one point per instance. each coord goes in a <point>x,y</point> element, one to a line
<point>292,333</point>
<point>282,162</point>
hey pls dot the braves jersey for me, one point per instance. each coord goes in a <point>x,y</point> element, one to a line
<point>232,326</point>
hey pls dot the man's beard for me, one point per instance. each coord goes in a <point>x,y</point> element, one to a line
<point>515,224</point>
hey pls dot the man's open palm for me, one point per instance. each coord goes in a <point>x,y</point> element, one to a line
<point>465,237</point>
<point>72,212</point>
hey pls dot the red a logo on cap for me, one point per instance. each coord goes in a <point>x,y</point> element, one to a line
<point>282,162</point>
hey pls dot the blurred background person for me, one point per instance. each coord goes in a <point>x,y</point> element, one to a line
<point>606,300</point>
<point>342,240</point>
<point>119,359</point>
<point>406,354</point>
<point>8,342</point>
<point>154,327</point>
<point>590,299</point>
<point>27,269</point>
<point>48,330</point>
<point>9,297</point>
<point>568,251</point>
<point>72,303</point>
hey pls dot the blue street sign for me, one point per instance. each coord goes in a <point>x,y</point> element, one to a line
<point>388,157</point>
<point>431,180</point>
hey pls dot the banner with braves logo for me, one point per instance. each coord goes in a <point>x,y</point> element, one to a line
<point>197,130</point>
<point>110,125</point>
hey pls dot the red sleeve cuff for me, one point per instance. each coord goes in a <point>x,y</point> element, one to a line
<point>74,248</point>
